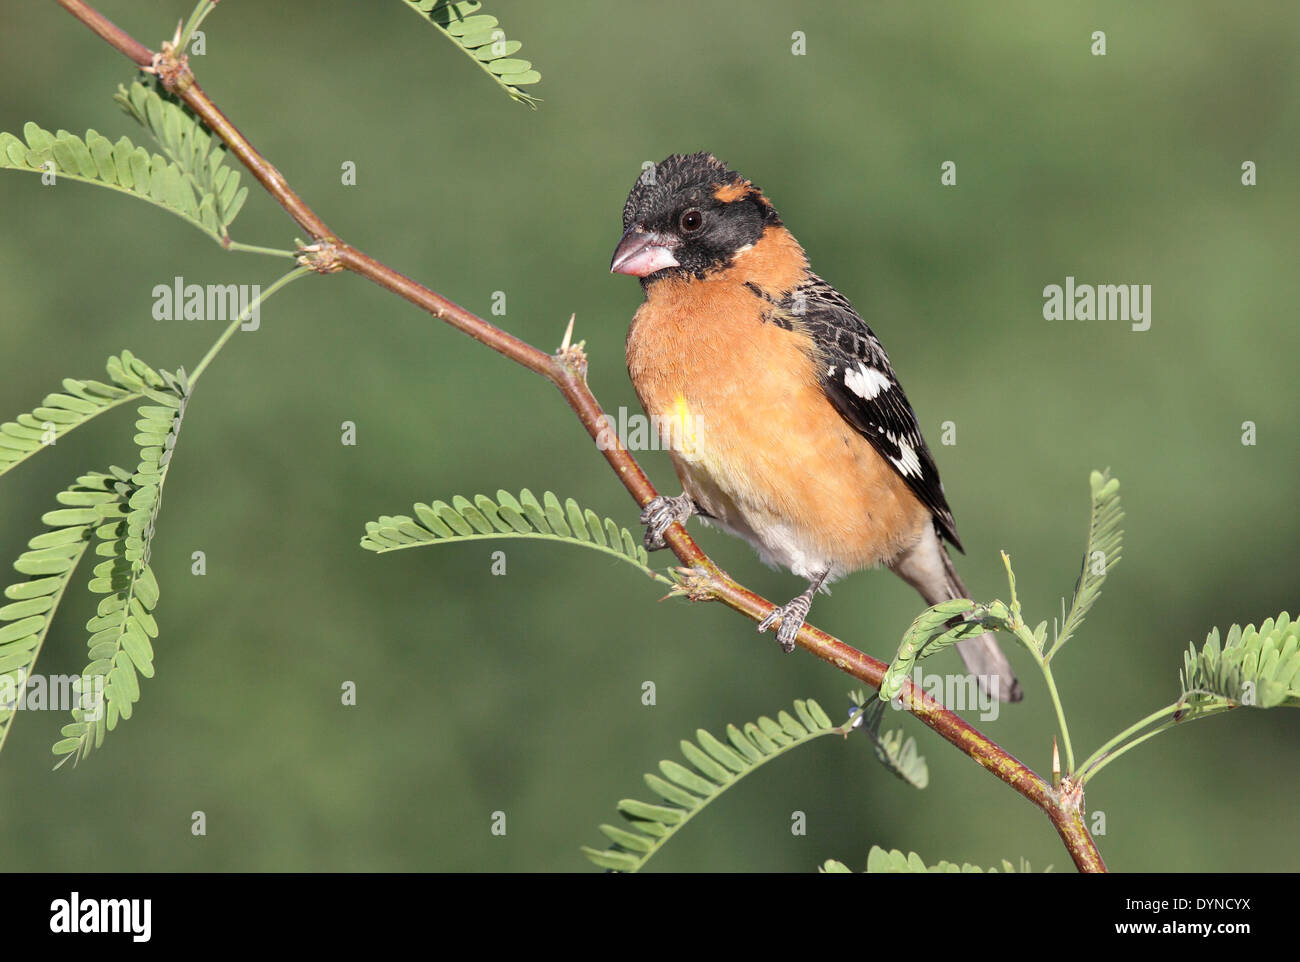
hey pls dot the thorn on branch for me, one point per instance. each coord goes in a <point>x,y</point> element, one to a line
<point>572,356</point>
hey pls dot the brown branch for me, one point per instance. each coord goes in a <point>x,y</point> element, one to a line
<point>567,371</point>
<point>110,32</point>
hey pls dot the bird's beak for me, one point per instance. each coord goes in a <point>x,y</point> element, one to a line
<point>641,253</point>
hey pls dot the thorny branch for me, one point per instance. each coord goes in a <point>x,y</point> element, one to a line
<point>567,371</point>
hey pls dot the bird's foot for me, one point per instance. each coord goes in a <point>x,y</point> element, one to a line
<point>661,513</point>
<point>791,615</point>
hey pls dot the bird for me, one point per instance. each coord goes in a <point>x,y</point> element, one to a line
<point>783,416</point>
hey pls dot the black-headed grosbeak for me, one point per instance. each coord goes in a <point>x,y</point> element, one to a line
<point>785,421</point>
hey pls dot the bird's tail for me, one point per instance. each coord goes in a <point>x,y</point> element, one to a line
<point>929,570</point>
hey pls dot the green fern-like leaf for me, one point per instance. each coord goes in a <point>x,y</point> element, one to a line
<point>49,562</point>
<point>507,517</point>
<point>481,38</point>
<point>1103,552</point>
<point>1257,668</point>
<point>717,767</point>
<point>123,167</point>
<point>832,867</point>
<point>935,629</point>
<point>192,148</point>
<point>894,861</point>
<point>898,754</point>
<point>79,401</point>
<point>121,633</point>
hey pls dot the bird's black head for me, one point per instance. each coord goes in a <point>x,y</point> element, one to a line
<point>689,214</point>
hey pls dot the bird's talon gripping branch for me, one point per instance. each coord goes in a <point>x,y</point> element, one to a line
<point>660,514</point>
<point>792,614</point>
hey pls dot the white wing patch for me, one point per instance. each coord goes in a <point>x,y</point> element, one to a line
<point>866,382</point>
<point>907,462</point>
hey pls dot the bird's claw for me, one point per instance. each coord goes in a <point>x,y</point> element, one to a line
<point>791,615</point>
<point>660,514</point>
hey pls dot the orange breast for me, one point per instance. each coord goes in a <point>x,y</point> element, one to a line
<point>753,437</point>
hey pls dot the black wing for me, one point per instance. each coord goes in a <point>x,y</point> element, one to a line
<point>856,375</point>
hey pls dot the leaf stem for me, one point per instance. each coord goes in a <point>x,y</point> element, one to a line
<point>1060,714</point>
<point>606,549</point>
<point>1107,753</point>
<point>200,14</point>
<point>244,315</point>
<point>254,249</point>
<point>1030,641</point>
<point>1151,719</point>
<point>225,242</point>
<point>631,862</point>
<point>514,93</point>
<point>49,614</point>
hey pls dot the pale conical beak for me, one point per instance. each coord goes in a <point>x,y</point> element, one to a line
<point>641,253</point>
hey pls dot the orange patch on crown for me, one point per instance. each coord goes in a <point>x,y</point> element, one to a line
<point>726,193</point>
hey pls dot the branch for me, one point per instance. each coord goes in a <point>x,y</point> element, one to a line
<point>567,370</point>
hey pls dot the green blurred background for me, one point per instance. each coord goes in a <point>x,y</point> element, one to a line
<point>522,693</point>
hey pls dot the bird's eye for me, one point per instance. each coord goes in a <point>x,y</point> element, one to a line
<point>692,220</point>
